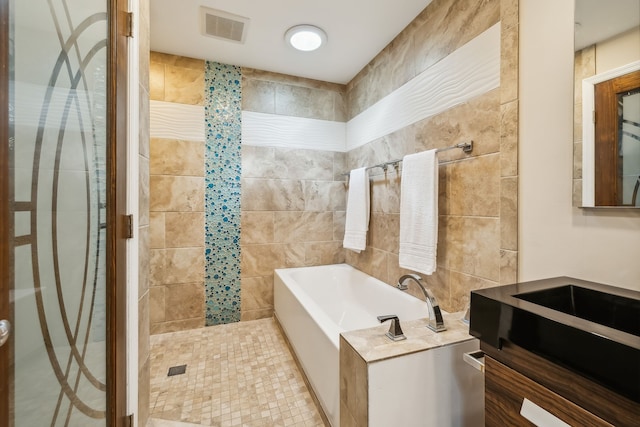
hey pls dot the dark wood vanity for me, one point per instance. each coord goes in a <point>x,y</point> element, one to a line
<point>513,374</point>
<point>573,352</point>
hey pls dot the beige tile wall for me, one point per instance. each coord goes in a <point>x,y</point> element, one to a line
<point>354,387</point>
<point>292,203</point>
<point>477,245</point>
<point>441,28</point>
<point>176,218</point>
<point>144,363</point>
<point>478,222</point>
<point>292,208</point>
<point>273,93</point>
<point>585,66</point>
<point>293,200</point>
<point>509,114</point>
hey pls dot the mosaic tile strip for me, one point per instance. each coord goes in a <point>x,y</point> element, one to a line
<point>223,118</point>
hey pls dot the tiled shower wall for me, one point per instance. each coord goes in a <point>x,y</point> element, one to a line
<point>144,363</point>
<point>292,206</point>
<point>477,245</point>
<point>177,296</point>
<point>585,66</point>
<point>293,200</point>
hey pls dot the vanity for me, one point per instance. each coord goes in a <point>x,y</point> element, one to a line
<point>559,350</point>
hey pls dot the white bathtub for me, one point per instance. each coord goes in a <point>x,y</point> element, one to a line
<point>315,304</point>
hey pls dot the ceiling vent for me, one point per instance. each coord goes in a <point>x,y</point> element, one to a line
<point>223,25</point>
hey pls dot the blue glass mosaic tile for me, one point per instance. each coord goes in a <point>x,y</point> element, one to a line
<point>223,96</point>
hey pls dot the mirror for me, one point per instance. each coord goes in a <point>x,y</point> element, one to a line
<point>607,89</point>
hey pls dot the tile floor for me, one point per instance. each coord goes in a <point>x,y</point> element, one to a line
<point>240,374</point>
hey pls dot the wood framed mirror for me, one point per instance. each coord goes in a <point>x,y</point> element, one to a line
<point>607,104</point>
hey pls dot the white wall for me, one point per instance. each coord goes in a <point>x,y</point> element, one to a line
<point>618,51</point>
<point>556,239</point>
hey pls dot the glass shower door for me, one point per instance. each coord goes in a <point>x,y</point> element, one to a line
<point>57,206</point>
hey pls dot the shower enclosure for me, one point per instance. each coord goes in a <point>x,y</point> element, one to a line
<point>61,286</point>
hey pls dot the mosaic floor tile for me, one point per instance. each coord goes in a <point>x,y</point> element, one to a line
<point>239,374</point>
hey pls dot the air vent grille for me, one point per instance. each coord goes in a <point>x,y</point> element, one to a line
<point>223,25</point>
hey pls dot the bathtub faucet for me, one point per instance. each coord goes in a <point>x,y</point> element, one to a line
<point>395,331</point>
<point>436,322</point>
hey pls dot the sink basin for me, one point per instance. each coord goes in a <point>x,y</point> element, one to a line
<point>614,311</point>
<point>589,328</point>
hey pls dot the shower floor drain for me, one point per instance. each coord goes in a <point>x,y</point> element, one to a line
<point>177,370</point>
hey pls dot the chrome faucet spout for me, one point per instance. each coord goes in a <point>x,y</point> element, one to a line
<point>436,322</point>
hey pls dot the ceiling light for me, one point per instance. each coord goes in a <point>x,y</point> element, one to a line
<point>305,37</point>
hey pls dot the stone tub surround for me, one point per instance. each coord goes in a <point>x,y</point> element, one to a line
<point>469,201</point>
<point>361,349</point>
<point>372,345</point>
<point>478,220</point>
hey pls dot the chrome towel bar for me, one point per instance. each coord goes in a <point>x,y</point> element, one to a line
<point>467,147</point>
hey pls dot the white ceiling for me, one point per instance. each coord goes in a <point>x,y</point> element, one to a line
<point>598,20</point>
<point>357,31</point>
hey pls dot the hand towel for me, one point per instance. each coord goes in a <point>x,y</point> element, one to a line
<point>357,217</point>
<point>419,212</point>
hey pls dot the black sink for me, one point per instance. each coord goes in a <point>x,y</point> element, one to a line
<point>610,310</point>
<point>589,328</point>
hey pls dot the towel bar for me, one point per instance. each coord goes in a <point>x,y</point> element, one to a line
<point>467,147</point>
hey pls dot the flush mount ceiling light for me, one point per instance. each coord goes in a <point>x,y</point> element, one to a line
<point>305,37</point>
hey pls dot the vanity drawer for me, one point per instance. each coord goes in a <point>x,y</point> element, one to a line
<point>505,394</point>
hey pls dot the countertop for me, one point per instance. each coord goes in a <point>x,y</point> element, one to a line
<point>373,345</point>
<point>584,343</point>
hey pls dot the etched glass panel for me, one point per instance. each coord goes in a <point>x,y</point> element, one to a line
<point>58,64</point>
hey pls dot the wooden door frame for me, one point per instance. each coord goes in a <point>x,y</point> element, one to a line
<point>116,210</point>
<point>608,183</point>
<point>116,213</point>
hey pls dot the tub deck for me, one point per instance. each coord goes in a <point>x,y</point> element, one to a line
<point>317,307</point>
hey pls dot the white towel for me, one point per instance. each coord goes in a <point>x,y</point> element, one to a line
<point>419,212</point>
<point>357,218</point>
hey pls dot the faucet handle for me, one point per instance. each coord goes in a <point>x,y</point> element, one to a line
<point>395,331</point>
<point>400,285</point>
